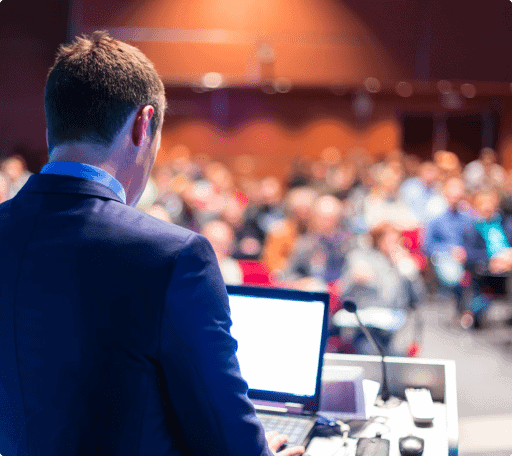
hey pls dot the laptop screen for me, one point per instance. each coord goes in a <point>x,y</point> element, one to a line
<point>280,336</point>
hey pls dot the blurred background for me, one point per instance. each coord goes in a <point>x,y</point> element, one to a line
<point>323,145</point>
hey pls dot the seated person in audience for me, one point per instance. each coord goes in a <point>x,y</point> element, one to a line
<point>15,167</point>
<point>318,256</point>
<point>268,212</point>
<point>383,204</point>
<point>179,201</point>
<point>282,237</point>
<point>381,274</point>
<point>444,241</point>
<point>485,171</point>
<point>488,245</point>
<point>221,237</point>
<point>249,237</point>
<point>422,193</point>
<point>448,165</point>
<point>490,238</point>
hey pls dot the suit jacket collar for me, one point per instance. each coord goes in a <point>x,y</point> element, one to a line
<point>53,183</point>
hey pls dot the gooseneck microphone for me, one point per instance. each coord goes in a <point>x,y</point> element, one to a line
<point>350,306</point>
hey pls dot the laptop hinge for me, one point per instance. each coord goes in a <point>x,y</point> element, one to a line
<point>278,407</point>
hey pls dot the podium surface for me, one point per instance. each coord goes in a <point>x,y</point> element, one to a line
<point>441,438</point>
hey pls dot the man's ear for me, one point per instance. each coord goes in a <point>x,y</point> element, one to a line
<point>141,124</point>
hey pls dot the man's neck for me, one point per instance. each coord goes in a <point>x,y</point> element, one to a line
<point>86,153</point>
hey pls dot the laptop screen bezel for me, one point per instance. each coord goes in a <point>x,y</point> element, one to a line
<point>309,403</point>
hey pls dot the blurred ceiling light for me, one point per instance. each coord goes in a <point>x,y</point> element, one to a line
<point>404,89</point>
<point>468,90</point>
<point>372,85</point>
<point>444,86</point>
<point>266,53</point>
<point>283,85</point>
<point>212,80</point>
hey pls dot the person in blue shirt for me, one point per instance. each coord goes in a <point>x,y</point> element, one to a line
<point>445,241</point>
<point>488,247</point>
<point>422,194</point>
<point>489,240</point>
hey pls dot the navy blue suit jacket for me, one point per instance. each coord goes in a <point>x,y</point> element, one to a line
<point>114,332</point>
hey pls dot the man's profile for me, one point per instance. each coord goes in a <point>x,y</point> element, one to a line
<point>115,325</point>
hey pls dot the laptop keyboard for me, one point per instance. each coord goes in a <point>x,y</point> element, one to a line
<point>296,428</point>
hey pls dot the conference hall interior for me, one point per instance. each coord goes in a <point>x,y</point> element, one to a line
<point>322,145</point>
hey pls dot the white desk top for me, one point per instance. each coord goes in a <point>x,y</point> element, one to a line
<point>396,423</point>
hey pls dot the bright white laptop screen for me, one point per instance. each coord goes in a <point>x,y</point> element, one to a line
<point>279,342</point>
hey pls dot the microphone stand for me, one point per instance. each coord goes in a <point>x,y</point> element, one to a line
<point>350,306</point>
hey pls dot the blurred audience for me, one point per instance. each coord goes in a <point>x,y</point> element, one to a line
<point>489,251</point>
<point>158,211</point>
<point>490,237</point>
<point>249,236</point>
<point>448,165</point>
<point>15,167</point>
<point>319,254</point>
<point>221,237</point>
<point>342,222</point>
<point>383,275</point>
<point>484,171</point>
<point>5,187</point>
<point>283,236</point>
<point>384,205</point>
<point>445,242</point>
<point>269,211</point>
<point>345,222</point>
<point>382,272</point>
<point>422,193</point>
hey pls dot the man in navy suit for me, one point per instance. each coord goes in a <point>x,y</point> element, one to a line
<point>115,325</point>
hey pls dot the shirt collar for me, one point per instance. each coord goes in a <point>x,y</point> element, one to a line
<point>86,171</point>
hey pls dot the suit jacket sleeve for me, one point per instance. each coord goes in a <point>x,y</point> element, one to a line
<point>207,394</point>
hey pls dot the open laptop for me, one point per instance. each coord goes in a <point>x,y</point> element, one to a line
<point>281,338</point>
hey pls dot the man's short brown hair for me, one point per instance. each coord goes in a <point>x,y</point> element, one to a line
<point>94,85</point>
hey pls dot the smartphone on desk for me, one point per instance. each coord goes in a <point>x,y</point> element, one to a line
<point>375,446</point>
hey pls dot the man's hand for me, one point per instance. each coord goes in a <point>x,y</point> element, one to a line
<point>275,441</point>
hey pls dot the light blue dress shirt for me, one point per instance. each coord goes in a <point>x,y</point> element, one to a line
<point>85,171</point>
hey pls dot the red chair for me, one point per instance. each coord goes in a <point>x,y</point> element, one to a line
<point>256,273</point>
<point>413,241</point>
